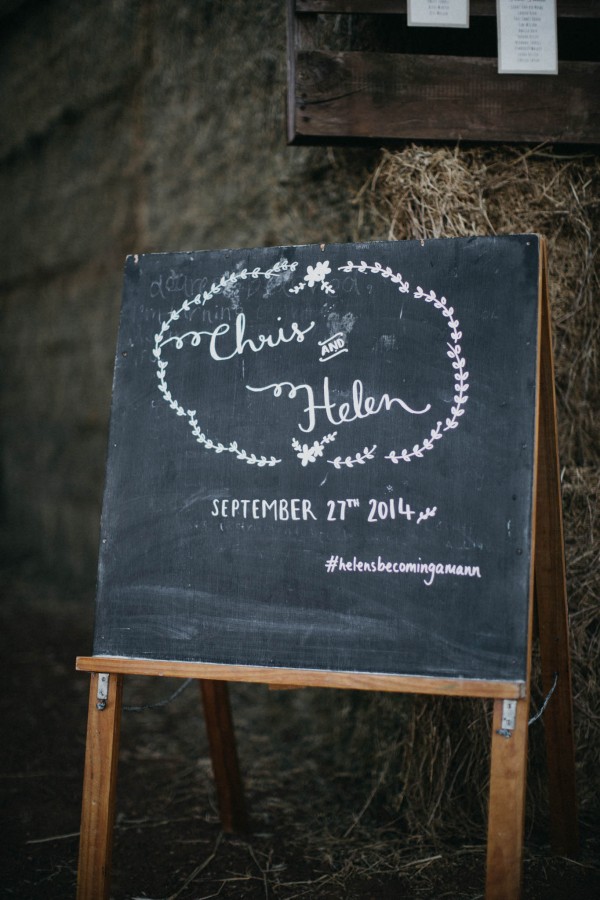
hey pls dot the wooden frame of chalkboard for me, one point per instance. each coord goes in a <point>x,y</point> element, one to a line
<point>335,466</point>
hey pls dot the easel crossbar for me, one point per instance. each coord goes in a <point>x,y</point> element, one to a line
<point>365,681</point>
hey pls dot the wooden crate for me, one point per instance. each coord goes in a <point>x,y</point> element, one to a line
<point>357,73</point>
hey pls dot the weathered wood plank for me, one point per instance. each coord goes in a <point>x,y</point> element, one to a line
<point>565,8</point>
<point>351,6</point>
<point>381,96</point>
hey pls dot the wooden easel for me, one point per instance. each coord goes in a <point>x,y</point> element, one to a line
<point>511,700</point>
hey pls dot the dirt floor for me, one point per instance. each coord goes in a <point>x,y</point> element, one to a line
<point>318,829</point>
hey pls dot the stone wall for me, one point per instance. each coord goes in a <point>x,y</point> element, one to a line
<point>128,126</point>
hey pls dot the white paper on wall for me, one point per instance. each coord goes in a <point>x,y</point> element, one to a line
<point>439,13</point>
<point>527,40</point>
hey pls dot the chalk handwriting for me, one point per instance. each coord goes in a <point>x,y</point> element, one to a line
<point>298,509</point>
<point>177,283</point>
<point>241,343</point>
<point>360,408</point>
<point>226,340</point>
<point>279,509</point>
<point>333,346</point>
<point>336,563</point>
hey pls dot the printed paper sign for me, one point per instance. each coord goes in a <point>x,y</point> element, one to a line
<point>527,43</point>
<point>439,13</point>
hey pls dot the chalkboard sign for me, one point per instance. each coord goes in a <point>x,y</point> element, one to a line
<point>322,457</point>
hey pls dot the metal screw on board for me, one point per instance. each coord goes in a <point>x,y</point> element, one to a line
<point>509,718</point>
<point>102,692</point>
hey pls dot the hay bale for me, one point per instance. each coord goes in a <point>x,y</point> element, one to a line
<point>432,754</point>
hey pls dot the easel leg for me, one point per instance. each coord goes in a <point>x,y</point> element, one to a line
<point>558,727</point>
<point>506,817</point>
<point>552,614</point>
<point>99,785</point>
<point>221,739</point>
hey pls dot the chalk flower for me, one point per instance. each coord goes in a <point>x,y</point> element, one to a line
<point>308,454</point>
<point>318,273</point>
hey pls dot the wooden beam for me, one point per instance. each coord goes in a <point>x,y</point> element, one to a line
<point>551,600</point>
<point>221,739</point>
<point>506,816</point>
<point>387,96</point>
<point>393,7</point>
<point>99,791</point>
<point>365,681</point>
<point>565,8</point>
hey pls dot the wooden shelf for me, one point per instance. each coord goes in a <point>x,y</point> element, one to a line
<point>357,73</point>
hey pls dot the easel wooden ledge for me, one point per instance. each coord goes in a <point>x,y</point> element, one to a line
<point>511,699</point>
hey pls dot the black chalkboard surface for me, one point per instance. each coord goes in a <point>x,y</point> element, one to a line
<point>322,457</point>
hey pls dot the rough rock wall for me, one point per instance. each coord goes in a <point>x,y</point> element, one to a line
<point>127,126</point>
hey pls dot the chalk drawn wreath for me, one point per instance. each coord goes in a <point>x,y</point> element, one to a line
<point>310,453</point>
